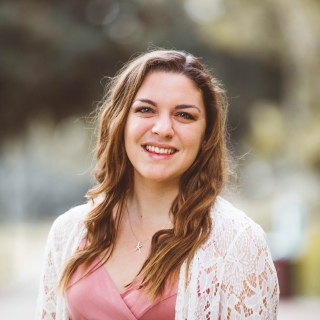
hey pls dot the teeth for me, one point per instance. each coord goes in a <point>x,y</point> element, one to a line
<point>160,150</point>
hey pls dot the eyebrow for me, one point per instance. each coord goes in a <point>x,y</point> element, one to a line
<point>178,107</point>
<point>146,101</point>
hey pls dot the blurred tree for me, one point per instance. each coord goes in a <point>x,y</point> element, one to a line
<point>284,32</point>
<point>54,53</point>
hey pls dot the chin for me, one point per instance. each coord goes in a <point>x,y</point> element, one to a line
<point>157,176</point>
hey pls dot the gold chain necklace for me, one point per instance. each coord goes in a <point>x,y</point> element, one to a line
<point>138,246</point>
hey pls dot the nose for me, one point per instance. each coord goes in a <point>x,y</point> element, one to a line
<point>163,126</point>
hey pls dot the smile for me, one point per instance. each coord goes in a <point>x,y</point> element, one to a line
<point>159,150</point>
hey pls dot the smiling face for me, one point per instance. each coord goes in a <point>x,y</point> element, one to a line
<point>165,127</point>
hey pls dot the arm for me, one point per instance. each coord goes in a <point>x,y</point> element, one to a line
<point>249,287</point>
<point>47,304</point>
<point>64,238</point>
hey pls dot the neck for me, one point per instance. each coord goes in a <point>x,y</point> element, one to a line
<point>151,201</point>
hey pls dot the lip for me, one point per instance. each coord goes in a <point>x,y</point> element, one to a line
<point>159,145</point>
<point>159,156</point>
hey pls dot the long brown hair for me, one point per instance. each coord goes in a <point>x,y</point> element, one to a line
<point>199,185</point>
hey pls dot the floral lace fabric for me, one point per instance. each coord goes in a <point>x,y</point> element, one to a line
<point>231,276</point>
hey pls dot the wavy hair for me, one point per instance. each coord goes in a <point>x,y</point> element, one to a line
<point>199,185</point>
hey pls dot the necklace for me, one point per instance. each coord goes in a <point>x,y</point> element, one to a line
<point>138,246</point>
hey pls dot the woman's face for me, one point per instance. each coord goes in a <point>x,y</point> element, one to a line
<point>165,127</point>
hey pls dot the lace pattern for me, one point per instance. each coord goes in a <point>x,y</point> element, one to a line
<point>231,276</point>
<point>64,238</point>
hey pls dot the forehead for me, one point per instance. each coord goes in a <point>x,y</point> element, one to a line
<point>169,86</point>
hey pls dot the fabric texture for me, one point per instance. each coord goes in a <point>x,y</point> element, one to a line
<point>106,302</point>
<point>231,275</point>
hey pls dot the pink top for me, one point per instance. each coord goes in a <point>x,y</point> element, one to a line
<point>95,297</point>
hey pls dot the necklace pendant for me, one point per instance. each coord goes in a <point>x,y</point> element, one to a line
<point>138,247</point>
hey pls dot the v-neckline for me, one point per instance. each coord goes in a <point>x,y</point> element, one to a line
<point>121,293</point>
<point>122,310</point>
<point>99,262</point>
<point>130,301</point>
<point>128,291</point>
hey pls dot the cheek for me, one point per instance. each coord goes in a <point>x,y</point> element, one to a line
<point>194,138</point>
<point>130,130</point>
<point>195,142</point>
<point>135,131</point>
<point>128,137</point>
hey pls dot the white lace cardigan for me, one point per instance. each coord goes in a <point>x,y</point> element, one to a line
<point>231,276</point>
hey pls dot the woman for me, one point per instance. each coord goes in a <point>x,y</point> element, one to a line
<point>156,241</point>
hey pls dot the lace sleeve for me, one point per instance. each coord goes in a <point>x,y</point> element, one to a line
<point>46,304</point>
<point>64,238</point>
<point>249,288</point>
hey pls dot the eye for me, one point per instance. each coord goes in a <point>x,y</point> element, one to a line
<point>144,110</point>
<point>186,115</point>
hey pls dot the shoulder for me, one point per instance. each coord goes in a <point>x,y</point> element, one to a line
<point>230,224</point>
<point>70,222</point>
<point>74,214</point>
<point>224,210</point>
<point>234,258</point>
<point>66,233</point>
<point>225,214</point>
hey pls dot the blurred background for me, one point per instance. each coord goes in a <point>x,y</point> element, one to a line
<point>54,57</point>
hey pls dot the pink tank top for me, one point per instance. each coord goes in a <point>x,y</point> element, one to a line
<point>95,297</point>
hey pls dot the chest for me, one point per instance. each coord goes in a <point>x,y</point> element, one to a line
<point>96,297</point>
<point>126,260</point>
